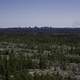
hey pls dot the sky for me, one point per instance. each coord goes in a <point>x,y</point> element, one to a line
<point>25,13</point>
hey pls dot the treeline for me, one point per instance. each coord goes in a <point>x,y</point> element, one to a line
<point>41,35</point>
<point>48,30</point>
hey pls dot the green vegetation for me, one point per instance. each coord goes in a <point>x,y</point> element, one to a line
<point>40,56</point>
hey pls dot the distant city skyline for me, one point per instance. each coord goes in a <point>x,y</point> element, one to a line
<point>25,13</point>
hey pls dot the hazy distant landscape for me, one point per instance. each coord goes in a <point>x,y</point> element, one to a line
<point>40,53</point>
<point>39,39</point>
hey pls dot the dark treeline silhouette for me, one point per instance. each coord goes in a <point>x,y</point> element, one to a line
<point>41,29</point>
<point>41,34</point>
